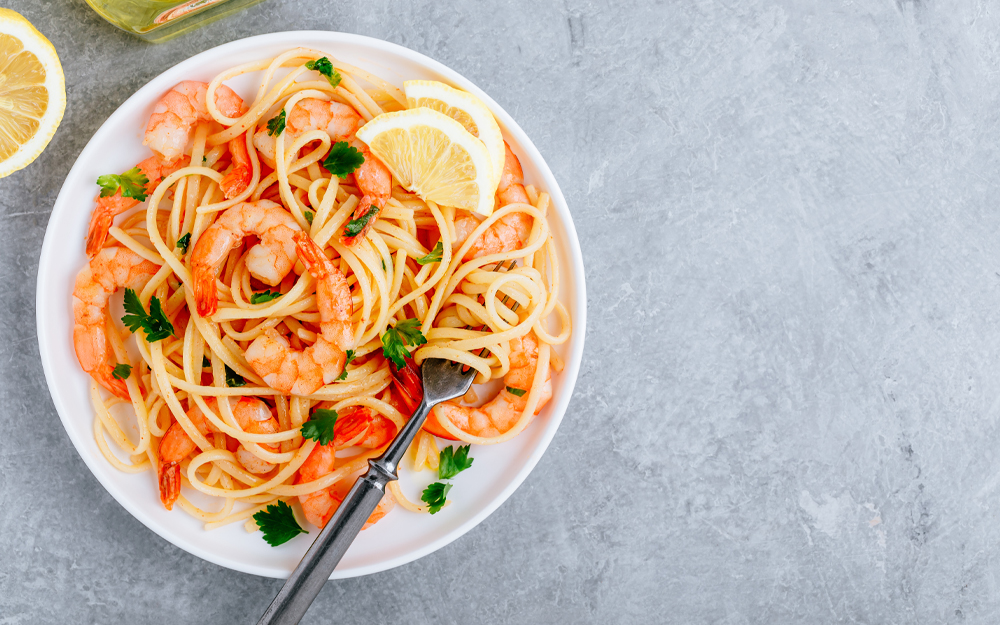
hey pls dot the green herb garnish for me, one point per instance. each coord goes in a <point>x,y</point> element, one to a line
<point>234,379</point>
<point>132,184</point>
<point>516,391</point>
<point>435,496</point>
<point>264,296</point>
<point>434,256</point>
<point>356,226</point>
<point>453,461</point>
<point>276,125</point>
<point>342,159</point>
<point>343,374</point>
<point>185,241</point>
<point>395,340</point>
<point>155,323</point>
<point>320,426</point>
<point>309,216</point>
<point>121,371</point>
<point>278,524</point>
<point>325,67</point>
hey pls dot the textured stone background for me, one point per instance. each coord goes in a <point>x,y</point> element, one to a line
<point>788,410</point>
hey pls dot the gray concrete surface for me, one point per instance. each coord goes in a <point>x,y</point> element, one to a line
<point>788,411</point>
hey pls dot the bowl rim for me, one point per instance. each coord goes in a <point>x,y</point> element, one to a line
<point>48,261</point>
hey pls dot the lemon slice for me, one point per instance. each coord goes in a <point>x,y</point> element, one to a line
<point>464,108</point>
<point>432,155</point>
<point>32,92</point>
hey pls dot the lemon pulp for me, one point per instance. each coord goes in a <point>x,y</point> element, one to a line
<point>23,96</point>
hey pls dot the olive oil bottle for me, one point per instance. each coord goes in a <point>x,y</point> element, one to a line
<point>159,20</point>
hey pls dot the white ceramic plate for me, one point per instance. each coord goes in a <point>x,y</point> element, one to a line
<point>402,536</point>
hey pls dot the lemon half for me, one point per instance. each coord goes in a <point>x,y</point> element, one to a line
<point>32,92</point>
<point>464,108</point>
<point>432,155</point>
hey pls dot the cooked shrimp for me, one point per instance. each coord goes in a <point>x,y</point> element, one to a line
<point>252,415</point>
<point>341,122</point>
<point>303,372</point>
<point>511,231</point>
<point>175,115</point>
<point>319,506</point>
<point>500,413</point>
<point>238,178</point>
<point>269,261</point>
<point>111,269</point>
<point>155,169</point>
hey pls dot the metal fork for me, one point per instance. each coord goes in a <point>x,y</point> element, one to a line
<point>443,380</point>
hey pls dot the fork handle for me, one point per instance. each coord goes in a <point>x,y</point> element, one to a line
<point>305,582</point>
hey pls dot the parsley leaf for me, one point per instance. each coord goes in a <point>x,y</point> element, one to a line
<point>435,495</point>
<point>277,124</point>
<point>205,362</point>
<point>234,379</point>
<point>434,256</point>
<point>121,371</point>
<point>320,426</point>
<point>132,184</point>
<point>342,159</point>
<point>185,241</point>
<point>516,391</point>
<point>264,296</point>
<point>309,216</point>
<point>134,312</point>
<point>453,461</point>
<point>325,67</point>
<point>156,324</point>
<point>355,226</point>
<point>343,374</point>
<point>278,524</point>
<point>395,340</point>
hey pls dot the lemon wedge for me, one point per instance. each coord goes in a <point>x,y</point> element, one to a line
<point>32,92</point>
<point>432,155</point>
<point>464,108</point>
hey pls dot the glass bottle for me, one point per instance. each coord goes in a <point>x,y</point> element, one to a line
<point>159,20</point>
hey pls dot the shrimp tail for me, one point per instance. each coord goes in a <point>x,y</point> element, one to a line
<point>407,382</point>
<point>238,179</point>
<point>363,209</point>
<point>113,384</point>
<point>311,255</point>
<point>169,477</point>
<point>205,295</point>
<point>100,224</point>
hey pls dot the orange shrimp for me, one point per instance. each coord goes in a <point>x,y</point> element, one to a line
<point>239,177</point>
<point>341,122</point>
<point>302,372</point>
<point>500,413</point>
<point>111,269</point>
<point>509,232</point>
<point>176,113</point>
<point>252,415</point>
<point>269,261</point>
<point>155,169</point>
<point>320,505</point>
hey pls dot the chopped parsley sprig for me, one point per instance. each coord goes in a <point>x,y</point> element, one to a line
<point>132,184</point>
<point>355,226</point>
<point>264,296</point>
<point>155,323</point>
<point>395,340</point>
<point>325,67</point>
<point>121,371</point>
<point>276,125</point>
<point>320,426</point>
<point>434,256</point>
<point>278,524</point>
<point>343,374</point>
<point>451,462</point>
<point>516,391</point>
<point>184,242</point>
<point>343,159</point>
<point>234,379</point>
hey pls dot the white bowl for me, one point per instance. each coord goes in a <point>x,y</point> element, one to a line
<point>402,536</point>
